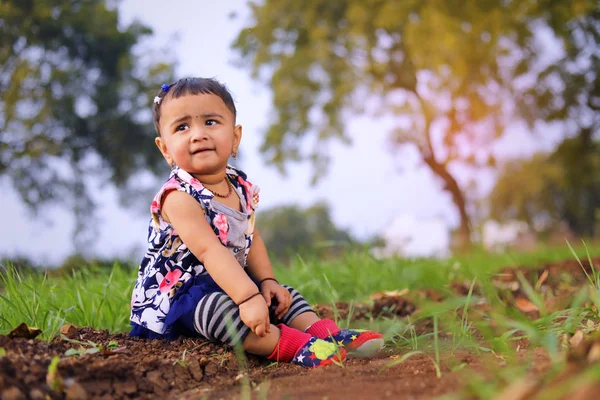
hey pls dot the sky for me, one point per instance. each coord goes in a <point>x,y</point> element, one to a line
<point>367,185</point>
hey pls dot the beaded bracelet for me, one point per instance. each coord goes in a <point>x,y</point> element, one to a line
<point>268,279</point>
<point>248,298</point>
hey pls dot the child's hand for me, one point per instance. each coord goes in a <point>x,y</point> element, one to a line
<point>272,289</point>
<point>255,315</point>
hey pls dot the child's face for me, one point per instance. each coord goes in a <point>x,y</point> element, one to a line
<point>198,133</point>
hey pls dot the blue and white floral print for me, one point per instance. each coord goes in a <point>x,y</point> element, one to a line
<point>168,264</point>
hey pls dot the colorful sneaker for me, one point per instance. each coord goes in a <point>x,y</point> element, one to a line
<point>318,353</point>
<point>358,341</point>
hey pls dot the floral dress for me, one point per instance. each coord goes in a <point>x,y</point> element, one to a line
<point>170,279</point>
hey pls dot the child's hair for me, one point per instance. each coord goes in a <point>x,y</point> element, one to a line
<point>194,86</point>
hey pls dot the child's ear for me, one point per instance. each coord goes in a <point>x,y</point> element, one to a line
<point>237,138</point>
<point>160,143</point>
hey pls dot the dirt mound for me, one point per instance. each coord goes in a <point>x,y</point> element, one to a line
<point>194,368</point>
<point>136,368</point>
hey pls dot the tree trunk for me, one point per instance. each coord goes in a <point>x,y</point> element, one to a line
<point>450,185</point>
<point>458,199</point>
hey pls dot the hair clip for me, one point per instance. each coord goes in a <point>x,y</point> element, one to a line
<point>165,88</point>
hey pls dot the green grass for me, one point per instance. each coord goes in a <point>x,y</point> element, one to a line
<point>94,297</point>
<point>358,275</point>
<point>99,297</point>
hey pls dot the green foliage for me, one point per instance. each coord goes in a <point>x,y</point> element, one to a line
<point>88,347</point>
<point>548,189</point>
<point>456,66</point>
<point>91,297</point>
<point>100,297</point>
<point>441,330</point>
<point>580,196</point>
<point>525,191</point>
<point>320,56</point>
<point>53,378</point>
<point>288,230</point>
<point>75,95</point>
<point>356,275</point>
<point>76,263</point>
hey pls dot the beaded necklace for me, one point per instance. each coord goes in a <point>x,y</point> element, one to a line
<point>230,187</point>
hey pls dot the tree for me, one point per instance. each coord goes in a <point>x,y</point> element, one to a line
<point>74,101</point>
<point>528,190</point>
<point>448,71</point>
<point>287,230</point>
<point>550,189</point>
<point>580,161</point>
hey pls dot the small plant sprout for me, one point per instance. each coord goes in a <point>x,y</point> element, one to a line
<point>52,378</point>
<point>350,315</point>
<point>88,347</point>
<point>436,345</point>
<point>222,357</point>
<point>594,278</point>
<point>438,372</point>
<point>181,361</point>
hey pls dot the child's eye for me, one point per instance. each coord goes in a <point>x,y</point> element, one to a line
<point>211,122</point>
<point>181,127</point>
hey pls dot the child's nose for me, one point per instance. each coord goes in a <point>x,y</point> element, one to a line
<point>198,133</point>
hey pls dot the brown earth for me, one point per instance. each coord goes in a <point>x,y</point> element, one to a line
<point>151,369</point>
<point>196,369</point>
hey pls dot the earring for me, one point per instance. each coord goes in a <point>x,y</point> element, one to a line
<point>234,155</point>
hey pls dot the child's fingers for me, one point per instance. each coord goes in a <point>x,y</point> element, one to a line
<point>267,295</point>
<point>260,330</point>
<point>284,303</point>
<point>281,308</point>
<point>266,327</point>
<point>281,313</point>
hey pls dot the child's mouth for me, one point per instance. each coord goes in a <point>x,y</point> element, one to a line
<point>199,151</point>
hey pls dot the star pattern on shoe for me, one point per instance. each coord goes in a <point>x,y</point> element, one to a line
<point>317,353</point>
<point>358,341</point>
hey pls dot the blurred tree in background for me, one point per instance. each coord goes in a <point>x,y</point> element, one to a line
<point>580,161</point>
<point>287,230</point>
<point>74,100</point>
<point>550,189</point>
<point>453,73</point>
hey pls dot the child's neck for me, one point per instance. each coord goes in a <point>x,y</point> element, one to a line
<point>220,184</point>
<point>211,180</point>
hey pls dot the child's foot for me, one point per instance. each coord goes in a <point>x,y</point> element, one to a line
<point>357,341</point>
<point>318,353</point>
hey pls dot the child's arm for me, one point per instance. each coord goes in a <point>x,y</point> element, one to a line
<point>187,218</point>
<point>259,267</point>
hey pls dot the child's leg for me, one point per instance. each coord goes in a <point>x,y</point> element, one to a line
<point>262,346</point>
<point>217,318</point>
<point>297,347</point>
<point>302,317</point>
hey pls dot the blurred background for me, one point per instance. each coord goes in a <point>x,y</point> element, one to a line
<point>413,128</point>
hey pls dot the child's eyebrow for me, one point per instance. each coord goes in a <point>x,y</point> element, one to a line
<point>180,119</point>
<point>211,115</point>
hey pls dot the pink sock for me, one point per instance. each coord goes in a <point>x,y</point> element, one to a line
<point>323,328</point>
<point>290,342</point>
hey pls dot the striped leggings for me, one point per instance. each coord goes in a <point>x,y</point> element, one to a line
<point>217,317</point>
